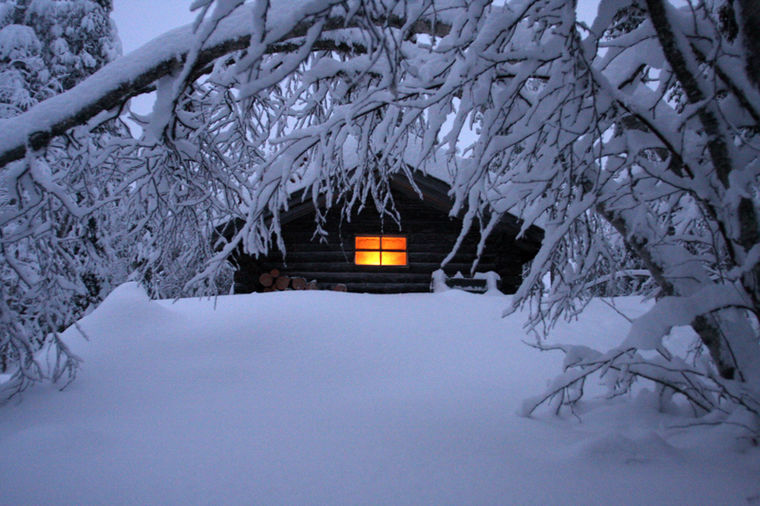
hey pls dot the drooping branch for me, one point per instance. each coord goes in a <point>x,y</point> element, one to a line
<point>130,75</point>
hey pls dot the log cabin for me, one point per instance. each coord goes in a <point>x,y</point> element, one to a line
<point>375,254</point>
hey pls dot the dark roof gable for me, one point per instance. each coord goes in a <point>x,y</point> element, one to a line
<point>434,193</point>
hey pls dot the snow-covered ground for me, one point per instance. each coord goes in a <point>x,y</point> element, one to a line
<point>334,398</point>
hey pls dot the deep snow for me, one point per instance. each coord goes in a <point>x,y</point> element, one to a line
<point>334,398</point>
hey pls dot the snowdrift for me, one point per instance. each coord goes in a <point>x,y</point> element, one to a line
<point>335,398</point>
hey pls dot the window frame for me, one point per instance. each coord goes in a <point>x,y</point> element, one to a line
<point>380,250</point>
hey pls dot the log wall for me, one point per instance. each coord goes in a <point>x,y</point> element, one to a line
<point>430,236</point>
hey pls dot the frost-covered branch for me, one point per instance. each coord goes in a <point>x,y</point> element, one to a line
<point>134,73</point>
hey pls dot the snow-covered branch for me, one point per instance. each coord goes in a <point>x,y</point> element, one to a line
<point>135,73</point>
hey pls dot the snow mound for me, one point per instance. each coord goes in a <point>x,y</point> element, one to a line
<point>125,316</point>
<point>127,305</point>
<point>337,398</point>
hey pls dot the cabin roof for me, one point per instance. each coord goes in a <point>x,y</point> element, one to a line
<point>433,192</point>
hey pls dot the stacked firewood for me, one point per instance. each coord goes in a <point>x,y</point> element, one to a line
<point>276,281</point>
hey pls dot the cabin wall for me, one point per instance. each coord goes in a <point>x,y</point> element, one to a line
<point>430,236</point>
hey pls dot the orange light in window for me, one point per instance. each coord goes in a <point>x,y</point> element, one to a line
<point>367,258</point>
<point>393,258</point>
<point>367,242</point>
<point>380,250</point>
<point>396,243</point>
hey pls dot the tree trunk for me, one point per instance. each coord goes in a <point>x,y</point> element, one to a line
<point>749,21</point>
<point>706,328</point>
<point>739,242</point>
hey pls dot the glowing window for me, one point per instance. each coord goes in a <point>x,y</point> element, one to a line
<point>380,250</point>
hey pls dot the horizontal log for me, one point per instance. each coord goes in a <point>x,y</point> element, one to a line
<point>303,251</point>
<point>373,287</point>
<point>414,256</point>
<point>380,276</point>
<point>388,287</point>
<point>442,249</point>
<point>428,232</point>
<point>417,268</point>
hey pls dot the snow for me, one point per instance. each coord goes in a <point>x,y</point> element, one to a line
<point>325,398</point>
<point>18,41</point>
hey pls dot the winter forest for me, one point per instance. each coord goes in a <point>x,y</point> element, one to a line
<point>632,140</point>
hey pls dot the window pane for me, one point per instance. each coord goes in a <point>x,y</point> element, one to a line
<point>394,258</point>
<point>394,243</point>
<point>367,258</point>
<point>367,242</point>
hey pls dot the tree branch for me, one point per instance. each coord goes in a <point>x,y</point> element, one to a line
<point>129,75</point>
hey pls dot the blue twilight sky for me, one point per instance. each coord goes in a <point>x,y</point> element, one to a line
<point>139,21</point>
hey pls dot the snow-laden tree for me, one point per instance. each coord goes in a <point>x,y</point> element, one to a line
<point>640,128</point>
<point>48,46</point>
<point>54,265</point>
